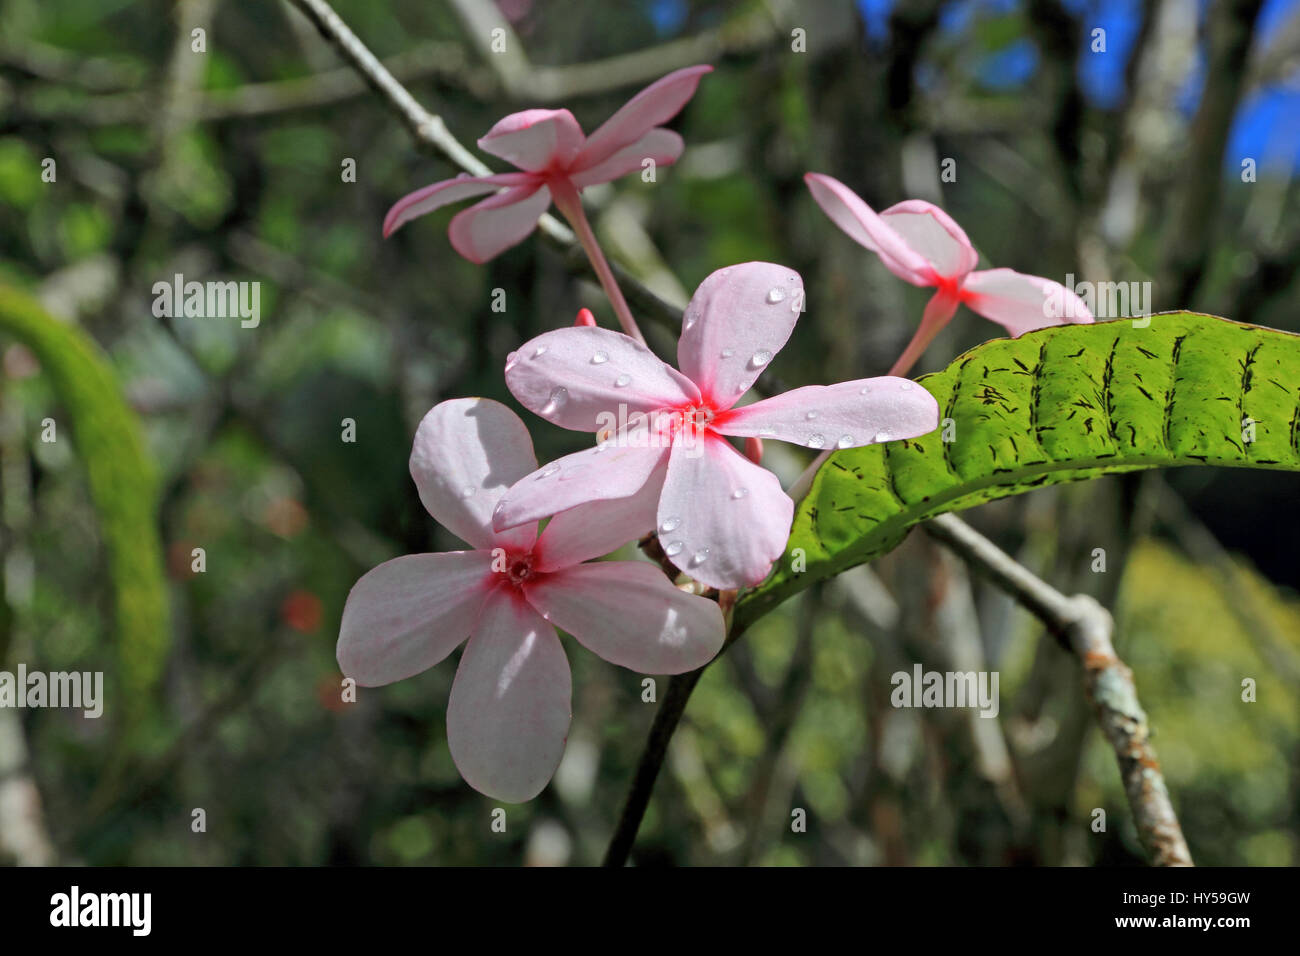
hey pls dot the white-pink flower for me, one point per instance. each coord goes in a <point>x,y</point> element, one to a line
<point>920,243</point>
<point>557,161</point>
<point>509,711</point>
<point>720,517</point>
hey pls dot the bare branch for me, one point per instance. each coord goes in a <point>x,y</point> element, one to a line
<point>1084,627</point>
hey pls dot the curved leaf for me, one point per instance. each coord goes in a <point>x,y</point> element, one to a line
<point>1060,404</point>
<point>122,482</point>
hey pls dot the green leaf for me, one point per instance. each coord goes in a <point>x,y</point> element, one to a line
<point>1061,404</point>
<point>122,482</point>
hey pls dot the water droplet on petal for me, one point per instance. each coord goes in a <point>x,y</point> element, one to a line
<point>539,351</point>
<point>699,557</point>
<point>744,387</point>
<point>767,430</point>
<point>775,295</point>
<point>846,441</point>
<point>547,472</point>
<point>739,493</point>
<point>673,548</point>
<point>810,416</point>
<point>906,386</point>
<point>881,436</point>
<point>670,524</point>
<point>559,395</point>
<point>728,353</point>
<point>760,358</point>
<point>864,389</point>
<point>816,440</point>
<point>622,381</point>
<point>600,358</point>
<point>467,491</point>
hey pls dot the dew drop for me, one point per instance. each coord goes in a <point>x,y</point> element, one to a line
<point>766,430</point>
<point>699,557</point>
<point>539,351</point>
<point>670,524</point>
<point>864,389</point>
<point>467,491</point>
<point>728,353</point>
<point>739,493</point>
<point>760,358</point>
<point>600,358</point>
<point>816,440</point>
<point>559,395</point>
<point>810,416</point>
<point>622,381</point>
<point>547,472</point>
<point>906,386</point>
<point>881,436</point>
<point>846,441</point>
<point>673,548</point>
<point>775,295</point>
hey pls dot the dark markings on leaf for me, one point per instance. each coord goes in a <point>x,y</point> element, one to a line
<point>1149,354</point>
<point>1076,354</point>
<point>1169,395</point>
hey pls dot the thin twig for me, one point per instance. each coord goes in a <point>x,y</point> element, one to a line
<point>1084,628</point>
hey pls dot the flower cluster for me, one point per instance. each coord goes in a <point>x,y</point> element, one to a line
<point>663,462</point>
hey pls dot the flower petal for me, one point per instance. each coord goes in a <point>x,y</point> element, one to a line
<point>656,104</point>
<point>509,710</point>
<point>722,519</point>
<point>581,377</point>
<point>662,145</point>
<point>631,615</point>
<point>467,452</point>
<point>426,200</point>
<point>735,323</point>
<point>409,613</point>
<point>1020,303</point>
<point>844,415</point>
<point>492,226</point>
<point>596,474</point>
<point>535,139</point>
<point>597,528</point>
<point>931,232</point>
<point>864,226</point>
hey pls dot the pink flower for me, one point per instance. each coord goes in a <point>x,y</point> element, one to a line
<point>557,161</point>
<point>720,517</point>
<point>508,715</point>
<point>919,243</point>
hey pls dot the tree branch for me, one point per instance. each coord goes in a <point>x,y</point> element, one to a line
<point>1084,628</point>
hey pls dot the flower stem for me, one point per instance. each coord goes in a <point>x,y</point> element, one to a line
<point>570,204</point>
<point>938,311</point>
